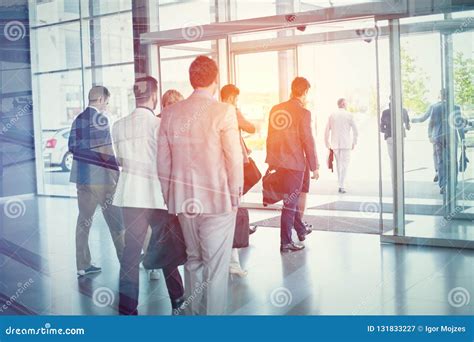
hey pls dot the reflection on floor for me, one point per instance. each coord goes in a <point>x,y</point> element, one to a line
<point>337,273</point>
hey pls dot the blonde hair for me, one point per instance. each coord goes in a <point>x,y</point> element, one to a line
<point>171,97</point>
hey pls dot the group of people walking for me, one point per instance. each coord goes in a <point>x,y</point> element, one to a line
<point>182,171</point>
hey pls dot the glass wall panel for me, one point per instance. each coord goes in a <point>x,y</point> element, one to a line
<point>100,7</point>
<point>180,14</point>
<point>58,99</point>
<point>58,47</point>
<point>175,61</point>
<point>437,80</point>
<point>64,69</point>
<point>119,80</point>
<point>54,11</point>
<point>111,39</point>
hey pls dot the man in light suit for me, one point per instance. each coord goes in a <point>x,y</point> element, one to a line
<point>338,138</point>
<point>290,150</point>
<point>200,167</point>
<point>95,172</point>
<point>139,193</point>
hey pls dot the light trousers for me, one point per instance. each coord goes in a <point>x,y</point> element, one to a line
<point>234,259</point>
<point>208,241</point>
<point>343,157</point>
<point>89,197</point>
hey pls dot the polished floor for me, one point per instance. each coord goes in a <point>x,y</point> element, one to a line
<point>336,274</point>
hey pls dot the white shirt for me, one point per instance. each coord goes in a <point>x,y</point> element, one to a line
<point>338,130</point>
<point>136,146</point>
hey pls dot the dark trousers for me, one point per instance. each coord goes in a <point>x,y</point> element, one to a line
<point>136,221</point>
<point>290,215</point>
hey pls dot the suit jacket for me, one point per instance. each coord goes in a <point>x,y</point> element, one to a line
<point>136,146</point>
<point>439,121</point>
<point>200,162</point>
<point>338,130</point>
<point>386,122</point>
<point>90,143</point>
<point>290,142</point>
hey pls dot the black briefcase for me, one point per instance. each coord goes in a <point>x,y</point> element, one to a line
<point>252,175</point>
<point>167,247</point>
<point>242,227</point>
<point>273,187</point>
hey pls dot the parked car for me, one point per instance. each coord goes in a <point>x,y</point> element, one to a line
<point>55,149</point>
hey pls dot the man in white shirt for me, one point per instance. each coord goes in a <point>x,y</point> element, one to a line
<point>139,195</point>
<point>338,138</point>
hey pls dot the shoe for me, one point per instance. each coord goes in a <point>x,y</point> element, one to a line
<point>154,275</point>
<point>176,304</point>
<point>342,191</point>
<point>238,271</point>
<point>252,230</point>
<point>290,247</point>
<point>307,225</point>
<point>302,237</point>
<point>435,179</point>
<point>91,269</point>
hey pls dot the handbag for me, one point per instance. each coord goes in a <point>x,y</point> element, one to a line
<point>166,247</point>
<point>463,160</point>
<point>242,226</point>
<point>331,160</point>
<point>252,175</point>
<point>273,187</point>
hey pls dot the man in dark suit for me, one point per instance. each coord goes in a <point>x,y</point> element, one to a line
<point>440,121</point>
<point>95,172</point>
<point>290,146</point>
<point>386,128</point>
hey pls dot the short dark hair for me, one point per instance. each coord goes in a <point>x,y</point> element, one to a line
<point>202,72</point>
<point>144,88</point>
<point>299,86</point>
<point>98,91</point>
<point>229,90</point>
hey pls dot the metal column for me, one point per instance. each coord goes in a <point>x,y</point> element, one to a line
<point>397,128</point>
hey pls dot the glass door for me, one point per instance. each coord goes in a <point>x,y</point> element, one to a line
<point>264,80</point>
<point>458,73</point>
<point>436,80</point>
